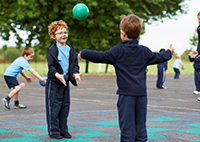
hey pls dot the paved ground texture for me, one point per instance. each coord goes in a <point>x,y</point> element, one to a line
<point>173,114</point>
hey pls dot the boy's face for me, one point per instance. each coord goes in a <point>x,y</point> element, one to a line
<point>61,36</point>
<point>198,17</point>
<point>29,57</point>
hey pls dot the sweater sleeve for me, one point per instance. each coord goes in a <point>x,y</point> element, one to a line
<point>108,57</point>
<point>191,59</point>
<point>155,58</point>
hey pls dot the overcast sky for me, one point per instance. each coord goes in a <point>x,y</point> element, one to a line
<point>161,35</point>
<point>175,32</point>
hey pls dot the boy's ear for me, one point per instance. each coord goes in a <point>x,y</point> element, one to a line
<point>123,33</point>
<point>53,37</point>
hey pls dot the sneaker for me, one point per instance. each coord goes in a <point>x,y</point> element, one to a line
<point>56,136</point>
<point>163,87</point>
<point>66,135</point>
<point>6,103</point>
<point>198,98</point>
<point>20,106</point>
<point>196,92</point>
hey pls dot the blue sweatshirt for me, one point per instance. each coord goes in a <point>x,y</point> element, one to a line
<point>130,61</point>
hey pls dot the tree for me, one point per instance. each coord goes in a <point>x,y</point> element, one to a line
<point>184,56</point>
<point>194,39</point>
<point>100,31</point>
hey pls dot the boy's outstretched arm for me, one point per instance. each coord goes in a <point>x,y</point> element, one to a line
<point>28,79</point>
<point>43,80</point>
<point>108,57</point>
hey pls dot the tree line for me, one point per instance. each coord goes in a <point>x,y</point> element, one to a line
<point>99,31</point>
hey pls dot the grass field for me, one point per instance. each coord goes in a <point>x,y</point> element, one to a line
<point>42,68</point>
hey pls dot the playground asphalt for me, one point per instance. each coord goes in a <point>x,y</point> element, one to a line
<point>173,113</point>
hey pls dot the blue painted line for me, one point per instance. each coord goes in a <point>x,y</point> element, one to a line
<point>42,121</point>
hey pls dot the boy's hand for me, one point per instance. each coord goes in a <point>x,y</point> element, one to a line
<point>43,80</point>
<point>29,79</point>
<point>77,76</point>
<point>193,54</point>
<point>79,56</point>
<point>61,78</point>
<point>171,48</point>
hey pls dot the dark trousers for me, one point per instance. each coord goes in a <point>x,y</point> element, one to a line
<point>177,73</point>
<point>197,80</point>
<point>57,107</point>
<point>132,112</point>
<point>161,77</point>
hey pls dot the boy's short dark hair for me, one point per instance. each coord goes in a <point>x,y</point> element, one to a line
<point>131,25</point>
<point>198,14</point>
<point>55,26</point>
<point>162,49</point>
<point>27,51</point>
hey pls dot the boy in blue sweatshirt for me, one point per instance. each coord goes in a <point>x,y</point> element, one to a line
<point>130,61</point>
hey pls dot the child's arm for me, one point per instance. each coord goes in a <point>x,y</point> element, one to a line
<point>192,55</point>
<point>108,57</point>
<point>182,65</point>
<point>28,79</point>
<point>156,58</point>
<point>43,80</point>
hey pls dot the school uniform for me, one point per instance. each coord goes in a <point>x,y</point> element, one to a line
<point>162,67</point>
<point>196,66</point>
<point>130,61</point>
<point>56,94</point>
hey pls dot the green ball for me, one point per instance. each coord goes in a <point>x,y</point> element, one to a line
<point>80,11</point>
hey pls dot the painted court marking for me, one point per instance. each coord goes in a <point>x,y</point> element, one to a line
<point>89,131</point>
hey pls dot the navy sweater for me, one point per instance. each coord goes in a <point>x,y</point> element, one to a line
<point>54,65</point>
<point>196,61</point>
<point>130,61</point>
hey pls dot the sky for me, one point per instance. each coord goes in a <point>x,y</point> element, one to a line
<point>160,35</point>
<point>176,32</point>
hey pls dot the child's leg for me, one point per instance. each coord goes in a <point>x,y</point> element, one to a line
<point>64,111</point>
<point>14,92</point>
<point>141,114</point>
<point>53,104</point>
<point>164,76</point>
<point>177,73</point>
<point>197,80</point>
<point>159,83</point>
<point>128,119</point>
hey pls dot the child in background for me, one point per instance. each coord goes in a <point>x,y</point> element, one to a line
<point>63,67</point>
<point>195,57</point>
<point>162,68</point>
<point>11,74</point>
<point>176,65</point>
<point>198,32</point>
<point>130,61</point>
